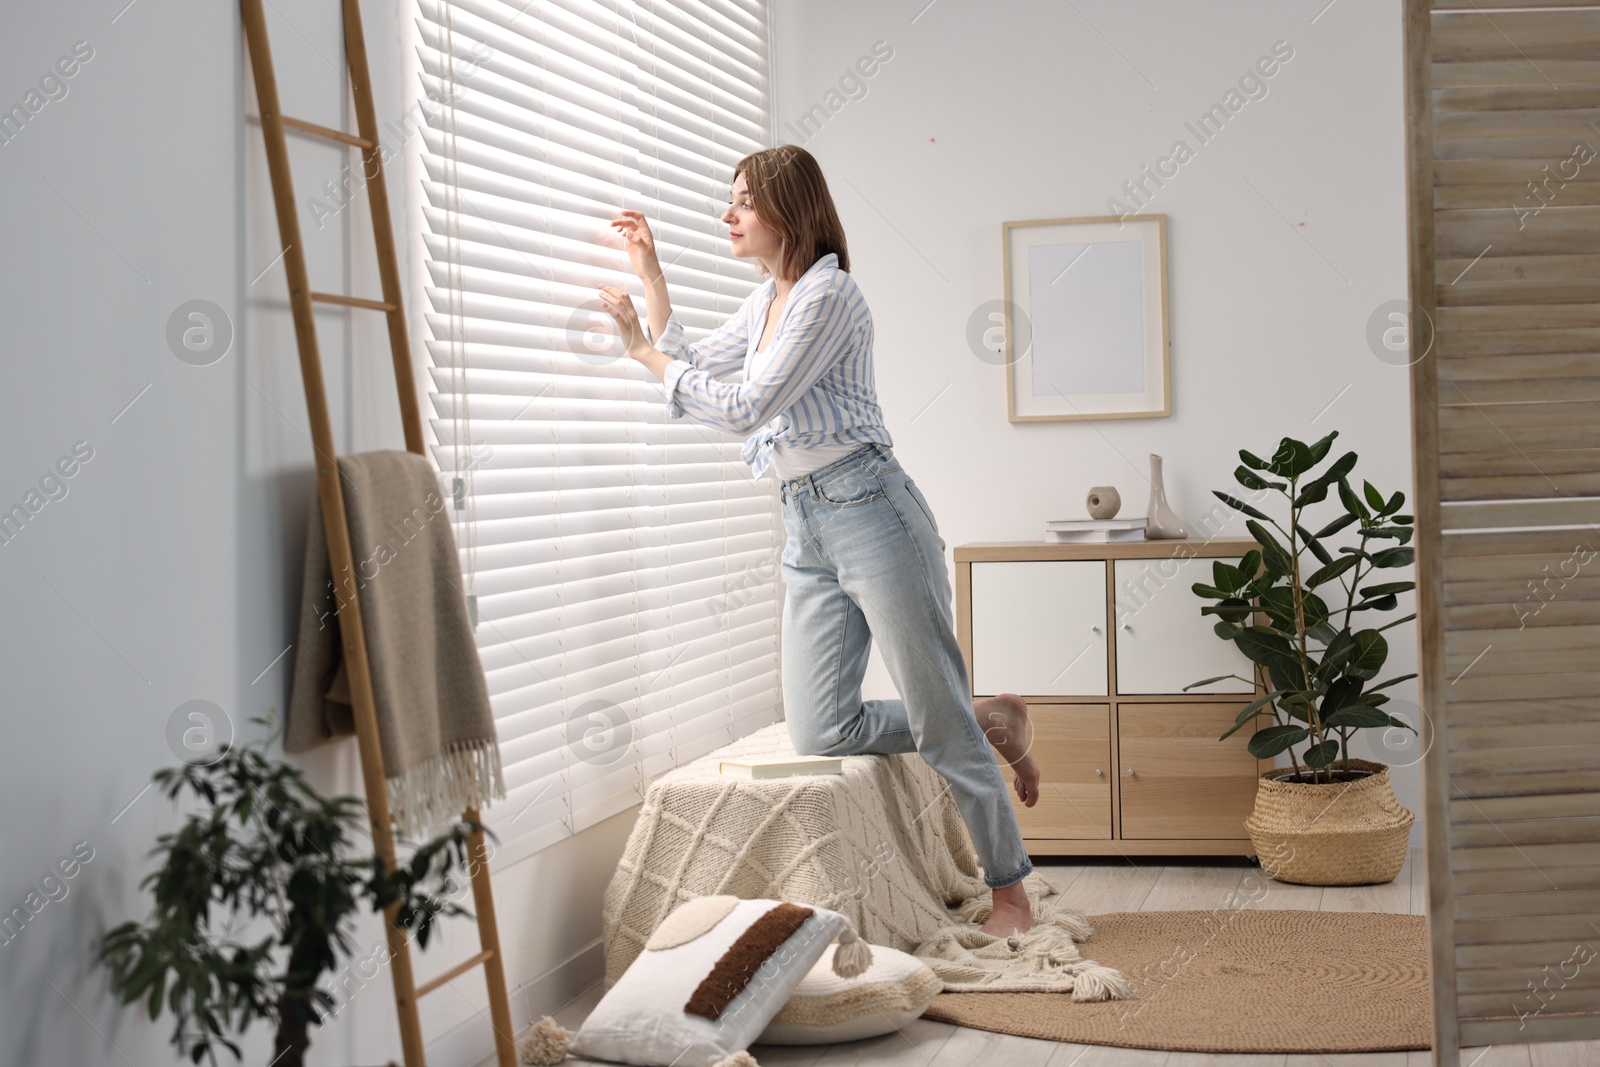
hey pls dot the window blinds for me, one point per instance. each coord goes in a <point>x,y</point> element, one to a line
<point>622,568</point>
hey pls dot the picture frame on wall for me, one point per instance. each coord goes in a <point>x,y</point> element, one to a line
<point>1088,334</point>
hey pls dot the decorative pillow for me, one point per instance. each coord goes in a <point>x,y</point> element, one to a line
<point>826,1008</point>
<point>710,978</point>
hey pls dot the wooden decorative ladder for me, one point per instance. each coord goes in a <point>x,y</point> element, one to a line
<point>301,298</point>
<point>1503,127</point>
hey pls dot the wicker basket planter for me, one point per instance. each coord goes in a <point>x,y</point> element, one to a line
<point>1338,833</point>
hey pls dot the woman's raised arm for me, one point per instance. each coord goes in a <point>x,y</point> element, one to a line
<point>641,247</point>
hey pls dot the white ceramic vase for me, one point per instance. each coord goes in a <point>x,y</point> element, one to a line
<point>1164,523</point>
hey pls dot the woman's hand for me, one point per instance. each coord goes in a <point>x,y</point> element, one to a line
<point>640,243</point>
<point>619,305</point>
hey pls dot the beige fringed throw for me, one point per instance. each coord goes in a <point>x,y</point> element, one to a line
<point>881,842</point>
<point>440,753</point>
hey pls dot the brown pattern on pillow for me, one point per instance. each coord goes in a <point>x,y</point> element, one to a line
<point>730,974</point>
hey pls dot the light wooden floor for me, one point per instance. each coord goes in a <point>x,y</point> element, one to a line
<point>1098,885</point>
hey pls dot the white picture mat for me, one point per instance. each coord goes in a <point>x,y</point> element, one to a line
<point>1092,295</point>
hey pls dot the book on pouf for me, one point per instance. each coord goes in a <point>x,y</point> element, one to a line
<point>780,766</point>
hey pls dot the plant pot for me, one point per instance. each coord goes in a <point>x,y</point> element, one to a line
<point>1338,833</point>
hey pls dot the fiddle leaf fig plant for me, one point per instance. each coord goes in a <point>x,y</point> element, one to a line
<point>1317,653</point>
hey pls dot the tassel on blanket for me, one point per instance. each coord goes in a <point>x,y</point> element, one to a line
<point>852,957</point>
<point>438,790</point>
<point>545,1044</point>
<point>1096,982</point>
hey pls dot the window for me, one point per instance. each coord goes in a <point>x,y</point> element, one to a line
<point>622,566</point>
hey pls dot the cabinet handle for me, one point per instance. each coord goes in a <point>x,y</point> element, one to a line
<point>1130,772</point>
<point>1099,773</point>
<point>1127,627</point>
<point>1096,629</point>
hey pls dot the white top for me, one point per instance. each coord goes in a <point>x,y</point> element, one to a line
<point>788,461</point>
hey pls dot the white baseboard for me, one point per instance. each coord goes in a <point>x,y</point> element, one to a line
<point>471,1043</point>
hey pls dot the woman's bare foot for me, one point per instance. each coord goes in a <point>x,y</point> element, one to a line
<point>1004,720</point>
<point>1012,914</point>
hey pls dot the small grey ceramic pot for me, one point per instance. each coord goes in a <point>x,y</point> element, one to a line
<point>1103,502</point>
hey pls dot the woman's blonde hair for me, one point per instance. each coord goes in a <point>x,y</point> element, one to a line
<point>791,198</point>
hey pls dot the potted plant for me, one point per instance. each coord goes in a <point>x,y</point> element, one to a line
<point>265,845</point>
<point>1298,609</point>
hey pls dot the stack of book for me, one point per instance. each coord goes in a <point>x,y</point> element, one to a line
<point>1095,530</point>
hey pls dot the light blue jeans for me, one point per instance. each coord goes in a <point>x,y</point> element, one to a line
<point>864,559</point>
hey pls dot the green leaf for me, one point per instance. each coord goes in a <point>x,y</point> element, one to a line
<point>1233,609</point>
<point>1331,571</point>
<point>1357,717</point>
<point>1200,589</point>
<point>1226,576</point>
<point>1387,588</point>
<point>1352,503</point>
<point>1297,704</point>
<point>1397,622</point>
<point>1374,497</point>
<point>1260,643</point>
<point>1337,524</point>
<point>1292,459</point>
<point>1393,557</point>
<point>1264,744</point>
<point>1251,461</point>
<point>1208,681</point>
<point>1320,448</point>
<point>1226,630</point>
<point>1395,503</point>
<point>1341,467</point>
<point>1392,681</point>
<point>1313,492</point>
<point>1250,480</point>
<point>1275,555</point>
<point>1249,563</point>
<point>1252,709</point>
<point>1286,673</point>
<point>1340,649</point>
<point>1310,540</point>
<point>1382,603</point>
<point>1342,693</point>
<point>1323,632</point>
<point>1238,505</point>
<point>1323,754</point>
<point>1370,652</point>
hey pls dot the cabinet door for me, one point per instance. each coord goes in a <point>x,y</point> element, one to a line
<point>1039,628</point>
<point>1177,779</point>
<point>1163,642</point>
<point>1071,743</point>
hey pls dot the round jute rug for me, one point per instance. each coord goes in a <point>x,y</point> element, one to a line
<point>1234,980</point>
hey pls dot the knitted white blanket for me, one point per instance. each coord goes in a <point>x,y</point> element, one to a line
<point>883,843</point>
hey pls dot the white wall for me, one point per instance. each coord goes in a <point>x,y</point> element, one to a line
<point>1285,233</point>
<point>169,571</point>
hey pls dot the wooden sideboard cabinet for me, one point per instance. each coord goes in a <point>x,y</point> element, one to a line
<point>1100,639</point>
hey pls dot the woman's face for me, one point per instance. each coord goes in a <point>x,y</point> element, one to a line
<point>750,238</point>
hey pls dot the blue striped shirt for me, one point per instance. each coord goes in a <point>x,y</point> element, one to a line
<point>813,386</point>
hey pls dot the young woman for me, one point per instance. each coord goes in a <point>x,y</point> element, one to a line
<point>864,558</point>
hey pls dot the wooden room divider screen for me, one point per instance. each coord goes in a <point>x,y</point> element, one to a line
<point>1503,117</point>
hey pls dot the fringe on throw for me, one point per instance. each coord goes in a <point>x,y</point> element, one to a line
<point>433,793</point>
